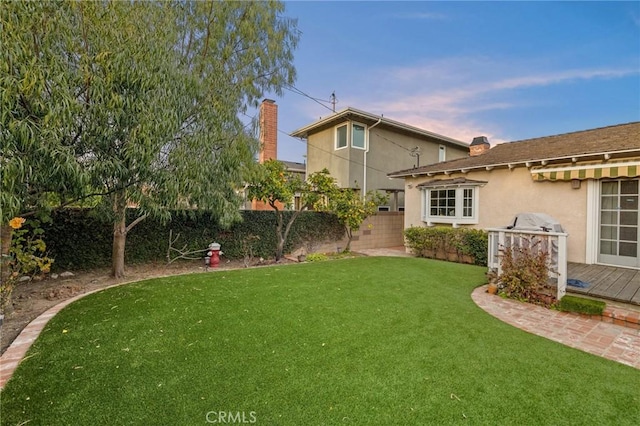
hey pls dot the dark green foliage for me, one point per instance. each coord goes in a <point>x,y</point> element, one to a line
<point>581,305</point>
<point>439,241</point>
<point>76,239</point>
<point>475,243</point>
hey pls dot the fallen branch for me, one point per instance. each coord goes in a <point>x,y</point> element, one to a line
<point>183,253</point>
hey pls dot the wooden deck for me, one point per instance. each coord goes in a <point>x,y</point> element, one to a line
<point>606,282</point>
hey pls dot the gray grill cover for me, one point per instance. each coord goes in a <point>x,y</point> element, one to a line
<point>535,222</point>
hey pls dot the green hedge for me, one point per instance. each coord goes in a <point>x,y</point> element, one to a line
<point>448,243</point>
<point>77,240</point>
<point>581,305</point>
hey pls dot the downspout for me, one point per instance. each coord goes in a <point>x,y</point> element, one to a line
<point>366,151</point>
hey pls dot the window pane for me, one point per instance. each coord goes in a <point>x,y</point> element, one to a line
<point>609,203</point>
<point>442,202</point>
<point>608,247</point>
<point>357,137</point>
<point>629,218</point>
<point>629,187</point>
<point>628,233</point>
<point>467,210</point>
<point>609,218</point>
<point>608,232</point>
<point>341,137</point>
<point>609,187</point>
<point>629,249</point>
<point>629,202</point>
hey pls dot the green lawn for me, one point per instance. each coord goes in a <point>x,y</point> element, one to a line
<point>356,341</point>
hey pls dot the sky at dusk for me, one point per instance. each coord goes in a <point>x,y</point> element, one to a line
<point>506,70</point>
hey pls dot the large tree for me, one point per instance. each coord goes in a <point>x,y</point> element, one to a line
<point>151,97</point>
<point>38,107</point>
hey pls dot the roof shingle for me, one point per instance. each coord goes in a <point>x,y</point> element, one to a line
<point>586,144</point>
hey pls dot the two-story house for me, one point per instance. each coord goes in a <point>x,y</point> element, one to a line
<point>360,149</point>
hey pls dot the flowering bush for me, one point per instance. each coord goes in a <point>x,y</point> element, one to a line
<point>26,257</point>
<point>525,270</point>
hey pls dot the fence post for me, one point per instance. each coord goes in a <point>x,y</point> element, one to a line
<point>562,266</point>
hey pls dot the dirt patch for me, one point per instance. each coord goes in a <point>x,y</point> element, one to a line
<point>31,299</point>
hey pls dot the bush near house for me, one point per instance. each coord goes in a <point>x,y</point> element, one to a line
<point>581,305</point>
<point>462,245</point>
<point>77,240</point>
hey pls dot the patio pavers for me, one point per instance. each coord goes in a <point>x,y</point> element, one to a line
<point>605,339</point>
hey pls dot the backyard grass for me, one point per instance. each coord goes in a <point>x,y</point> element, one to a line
<point>356,341</point>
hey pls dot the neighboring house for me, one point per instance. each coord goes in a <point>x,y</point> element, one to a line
<point>587,180</point>
<point>359,149</point>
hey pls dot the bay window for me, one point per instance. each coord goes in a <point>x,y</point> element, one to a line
<point>450,201</point>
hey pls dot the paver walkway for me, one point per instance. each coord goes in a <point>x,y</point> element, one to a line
<point>612,341</point>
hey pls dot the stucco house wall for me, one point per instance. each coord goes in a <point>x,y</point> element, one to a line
<point>588,180</point>
<point>509,192</point>
<point>389,147</point>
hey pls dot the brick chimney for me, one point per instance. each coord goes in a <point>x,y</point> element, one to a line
<point>479,145</point>
<point>268,130</point>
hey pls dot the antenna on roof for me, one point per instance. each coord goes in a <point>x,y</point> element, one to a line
<point>334,101</point>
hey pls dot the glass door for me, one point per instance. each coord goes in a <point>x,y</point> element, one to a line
<point>619,230</point>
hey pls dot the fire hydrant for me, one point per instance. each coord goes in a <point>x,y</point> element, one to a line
<point>213,255</point>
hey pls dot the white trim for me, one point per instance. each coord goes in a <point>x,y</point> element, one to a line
<point>335,136</point>
<point>458,219</point>
<point>593,214</point>
<point>442,153</point>
<point>364,135</point>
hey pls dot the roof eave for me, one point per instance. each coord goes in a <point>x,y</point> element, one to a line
<point>303,132</point>
<point>510,165</point>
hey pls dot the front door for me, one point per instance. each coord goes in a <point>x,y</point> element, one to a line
<point>619,230</point>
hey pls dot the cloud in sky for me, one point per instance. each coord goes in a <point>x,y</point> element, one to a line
<point>446,95</point>
<point>506,70</point>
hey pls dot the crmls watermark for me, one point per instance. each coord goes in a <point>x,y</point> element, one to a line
<point>228,417</point>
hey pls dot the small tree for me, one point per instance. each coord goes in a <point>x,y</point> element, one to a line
<point>271,183</point>
<point>352,210</point>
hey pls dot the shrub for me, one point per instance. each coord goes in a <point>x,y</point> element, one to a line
<point>79,241</point>
<point>525,269</point>
<point>439,241</point>
<point>317,257</point>
<point>581,305</point>
<point>27,257</point>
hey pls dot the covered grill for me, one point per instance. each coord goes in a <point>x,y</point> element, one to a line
<point>535,222</point>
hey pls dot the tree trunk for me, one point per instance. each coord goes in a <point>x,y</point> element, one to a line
<point>119,241</point>
<point>281,238</point>
<point>347,249</point>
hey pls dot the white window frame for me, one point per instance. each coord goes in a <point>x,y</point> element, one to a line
<point>349,135</point>
<point>364,135</point>
<point>458,218</point>
<point>442,153</point>
<point>346,126</point>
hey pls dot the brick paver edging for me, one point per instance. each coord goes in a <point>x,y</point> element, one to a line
<point>606,339</point>
<point>15,353</point>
